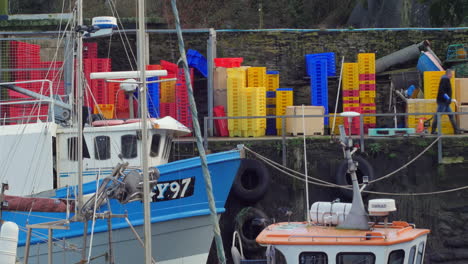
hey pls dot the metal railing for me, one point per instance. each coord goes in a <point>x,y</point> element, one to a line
<point>361,136</point>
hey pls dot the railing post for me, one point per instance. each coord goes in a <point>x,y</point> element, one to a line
<point>439,134</point>
<point>283,137</point>
<point>205,133</point>
<point>361,134</point>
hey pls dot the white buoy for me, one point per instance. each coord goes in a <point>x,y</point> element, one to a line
<point>8,242</point>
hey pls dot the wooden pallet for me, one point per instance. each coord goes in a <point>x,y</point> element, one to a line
<point>386,132</point>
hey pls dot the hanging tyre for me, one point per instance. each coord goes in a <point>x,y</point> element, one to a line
<point>251,181</point>
<point>250,222</point>
<point>364,168</point>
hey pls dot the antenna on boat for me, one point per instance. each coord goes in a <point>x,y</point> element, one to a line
<point>357,217</point>
<point>305,167</point>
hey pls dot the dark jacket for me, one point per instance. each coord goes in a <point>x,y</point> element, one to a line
<point>444,88</point>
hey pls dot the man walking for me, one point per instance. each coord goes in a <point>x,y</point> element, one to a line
<point>443,101</point>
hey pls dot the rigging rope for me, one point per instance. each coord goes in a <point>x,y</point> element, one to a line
<point>201,149</point>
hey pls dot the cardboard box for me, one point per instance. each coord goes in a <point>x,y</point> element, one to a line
<point>313,125</point>
<point>461,90</point>
<point>220,87</point>
<point>463,119</point>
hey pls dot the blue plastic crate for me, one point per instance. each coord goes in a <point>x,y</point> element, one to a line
<point>272,72</point>
<point>319,83</point>
<point>153,97</point>
<point>270,127</point>
<point>197,61</point>
<point>329,57</point>
<point>271,94</point>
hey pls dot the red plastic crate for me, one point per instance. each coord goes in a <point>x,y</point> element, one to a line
<point>169,66</point>
<point>366,77</point>
<point>366,87</point>
<point>153,67</point>
<point>221,125</point>
<point>228,62</point>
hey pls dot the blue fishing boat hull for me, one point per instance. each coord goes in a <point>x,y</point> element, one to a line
<point>179,208</point>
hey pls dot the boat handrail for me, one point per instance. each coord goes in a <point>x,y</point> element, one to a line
<point>337,237</point>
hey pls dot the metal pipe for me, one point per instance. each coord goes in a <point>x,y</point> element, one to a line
<point>211,54</point>
<point>400,56</point>
<point>79,108</point>
<point>283,140</point>
<point>109,231</point>
<point>439,133</point>
<point>49,245</point>
<point>28,245</point>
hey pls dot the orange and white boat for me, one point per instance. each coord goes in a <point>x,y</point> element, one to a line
<point>341,233</point>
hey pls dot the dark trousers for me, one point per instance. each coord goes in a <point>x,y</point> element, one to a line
<point>444,108</point>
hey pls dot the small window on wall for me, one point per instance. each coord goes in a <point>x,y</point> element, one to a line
<point>155,140</point>
<point>419,257</point>
<point>396,257</point>
<point>129,146</point>
<point>412,253</point>
<point>102,147</point>
<point>313,258</point>
<point>72,149</point>
<point>355,258</point>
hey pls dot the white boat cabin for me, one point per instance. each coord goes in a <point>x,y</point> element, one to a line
<point>39,157</point>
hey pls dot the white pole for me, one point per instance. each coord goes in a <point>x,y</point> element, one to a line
<point>144,131</point>
<point>337,97</point>
<point>305,166</point>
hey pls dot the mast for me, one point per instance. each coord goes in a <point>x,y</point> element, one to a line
<point>79,107</point>
<point>144,131</point>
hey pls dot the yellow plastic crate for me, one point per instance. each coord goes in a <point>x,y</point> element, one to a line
<point>256,77</point>
<point>236,79</point>
<point>284,98</point>
<point>107,110</point>
<point>271,111</point>
<point>367,82</point>
<point>370,119</point>
<point>272,82</point>
<point>350,98</point>
<point>168,92</point>
<point>350,79</point>
<point>253,104</point>
<point>431,84</point>
<point>366,63</point>
<point>367,100</point>
<point>364,94</point>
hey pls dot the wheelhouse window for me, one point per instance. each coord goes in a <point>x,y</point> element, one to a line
<point>167,147</point>
<point>420,254</point>
<point>412,253</point>
<point>129,146</point>
<point>396,257</point>
<point>155,140</point>
<point>72,143</point>
<point>102,147</point>
<point>313,258</point>
<point>355,258</point>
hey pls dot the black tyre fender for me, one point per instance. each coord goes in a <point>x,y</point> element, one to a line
<point>364,168</point>
<point>250,222</point>
<point>252,181</point>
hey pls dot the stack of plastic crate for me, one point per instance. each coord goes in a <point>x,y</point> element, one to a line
<point>284,98</point>
<point>170,67</point>
<point>350,94</point>
<point>272,83</point>
<point>24,56</point>
<point>236,80</point>
<point>183,113</point>
<point>256,77</point>
<point>319,84</point>
<point>338,120</point>
<point>253,103</point>
<point>329,57</point>
<point>25,113</point>
<point>118,99</point>
<point>167,103</point>
<point>431,84</point>
<point>153,92</point>
<point>367,89</point>
<point>89,50</point>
